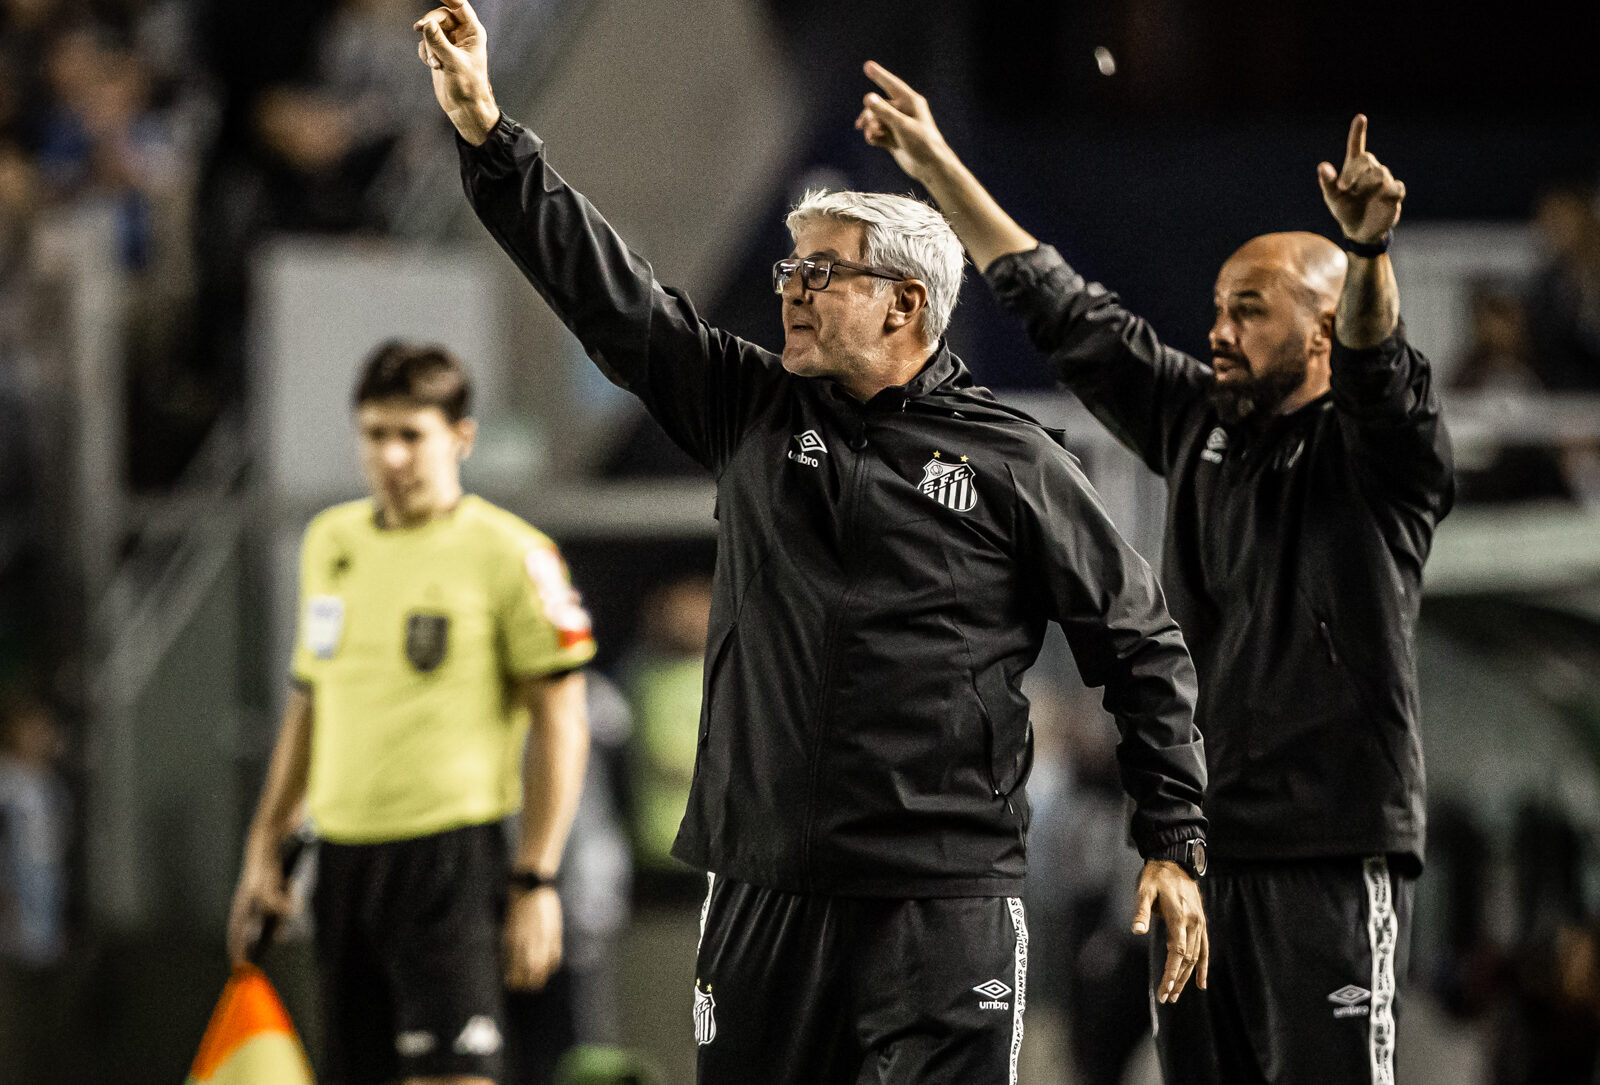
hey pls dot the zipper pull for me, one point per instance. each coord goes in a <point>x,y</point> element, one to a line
<point>1327,639</point>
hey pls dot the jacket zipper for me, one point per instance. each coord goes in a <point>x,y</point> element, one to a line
<point>1327,640</point>
<point>825,689</point>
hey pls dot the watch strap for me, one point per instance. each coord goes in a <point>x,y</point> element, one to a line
<point>526,881</point>
<point>1183,853</point>
<point>1368,248</point>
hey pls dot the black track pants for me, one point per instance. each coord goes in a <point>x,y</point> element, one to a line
<point>815,990</point>
<point>1305,959</point>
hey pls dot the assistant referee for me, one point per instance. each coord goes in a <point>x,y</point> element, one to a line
<point>436,689</point>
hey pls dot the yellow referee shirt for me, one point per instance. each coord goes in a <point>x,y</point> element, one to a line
<point>409,639</point>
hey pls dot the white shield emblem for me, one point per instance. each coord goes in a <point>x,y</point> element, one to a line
<point>950,484</point>
<point>705,1016</point>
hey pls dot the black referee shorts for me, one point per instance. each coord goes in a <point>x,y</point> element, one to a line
<point>1305,960</point>
<point>816,990</point>
<point>408,946</point>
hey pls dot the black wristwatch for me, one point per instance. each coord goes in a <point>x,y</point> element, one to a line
<point>526,881</point>
<point>1368,248</point>
<point>1189,854</point>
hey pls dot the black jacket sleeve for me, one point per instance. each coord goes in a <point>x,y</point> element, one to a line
<point>1106,356</point>
<point>1389,411</point>
<point>699,382</point>
<point>1108,604</point>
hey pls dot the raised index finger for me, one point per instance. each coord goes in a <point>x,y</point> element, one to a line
<point>1356,145</point>
<point>892,84</point>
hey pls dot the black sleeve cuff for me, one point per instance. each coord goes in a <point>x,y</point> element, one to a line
<point>497,154</point>
<point>1389,348</point>
<point>1024,270</point>
<point>1157,845</point>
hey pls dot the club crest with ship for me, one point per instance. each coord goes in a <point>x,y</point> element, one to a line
<point>952,483</point>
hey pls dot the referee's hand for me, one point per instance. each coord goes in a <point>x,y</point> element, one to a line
<point>262,893</point>
<point>1167,887</point>
<point>532,941</point>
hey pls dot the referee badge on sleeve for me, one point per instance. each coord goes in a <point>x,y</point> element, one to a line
<point>324,625</point>
<point>427,638</point>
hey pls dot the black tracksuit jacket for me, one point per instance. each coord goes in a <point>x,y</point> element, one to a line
<point>885,573</point>
<point>1292,559</point>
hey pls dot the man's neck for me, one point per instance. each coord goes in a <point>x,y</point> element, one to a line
<point>1306,393</point>
<point>892,372</point>
<point>390,519</point>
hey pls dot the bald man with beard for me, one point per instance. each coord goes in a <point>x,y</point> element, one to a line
<point>1307,466</point>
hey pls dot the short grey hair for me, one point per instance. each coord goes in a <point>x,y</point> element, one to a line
<point>903,235</point>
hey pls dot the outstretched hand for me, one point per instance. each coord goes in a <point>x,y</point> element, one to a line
<point>1363,195</point>
<point>456,47</point>
<point>901,123</point>
<point>1167,888</point>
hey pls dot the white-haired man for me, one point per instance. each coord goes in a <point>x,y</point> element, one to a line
<point>891,546</point>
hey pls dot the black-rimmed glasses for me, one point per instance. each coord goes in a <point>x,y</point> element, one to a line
<point>816,274</point>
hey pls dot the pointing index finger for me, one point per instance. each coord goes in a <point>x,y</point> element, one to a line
<point>1356,144</point>
<point>892,84</point>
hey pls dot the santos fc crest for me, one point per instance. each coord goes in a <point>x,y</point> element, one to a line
<point>705,1015</point>
<point>950,484</point>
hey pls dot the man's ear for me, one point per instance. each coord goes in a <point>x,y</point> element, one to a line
<point>466,434</point>
<point>1322,333</point>
<point>910,299</point>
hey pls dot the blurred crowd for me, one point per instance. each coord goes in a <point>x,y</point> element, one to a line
<point>203,126</point>
<point>1539,339</point>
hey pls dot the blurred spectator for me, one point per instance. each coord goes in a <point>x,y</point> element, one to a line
<point>1499,362</point>
<point>1082,876</point>
<point>663,678</point>
<point>34,825</point>
<point>1544,1023</point>
<point>321,114</point>
<point>337,140</point>
<point>18,200</point>
<point>25,28</point>
<point>1564,303</point>
<point>1564,313</point>
<point>1546,1029</point>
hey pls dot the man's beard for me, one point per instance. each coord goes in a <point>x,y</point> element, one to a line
<point>1258,397</point>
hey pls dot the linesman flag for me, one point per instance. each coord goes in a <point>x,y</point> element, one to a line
<point>250,1040</point>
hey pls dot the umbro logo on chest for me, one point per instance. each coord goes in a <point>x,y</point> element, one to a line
<point>810,447</point>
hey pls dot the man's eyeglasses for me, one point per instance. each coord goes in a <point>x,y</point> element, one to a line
<point>816,274</point>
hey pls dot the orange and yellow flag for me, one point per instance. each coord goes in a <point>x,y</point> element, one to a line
<point>250,1040</point>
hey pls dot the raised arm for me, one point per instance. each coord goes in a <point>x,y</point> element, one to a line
<point>1382,386</point>
<point>1365,199</point>
<point>900,122</point>
<point>1109,358</point>
<point>697,381</point>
